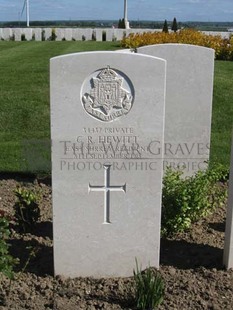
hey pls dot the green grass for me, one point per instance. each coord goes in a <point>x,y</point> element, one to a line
<point>222,115</point>
<point>24,103</point>
<point>24,100</point>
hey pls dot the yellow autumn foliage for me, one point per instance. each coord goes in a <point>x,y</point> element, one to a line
<point>223,47</point>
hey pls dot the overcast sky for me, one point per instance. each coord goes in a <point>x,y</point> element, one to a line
<point>183,10</point>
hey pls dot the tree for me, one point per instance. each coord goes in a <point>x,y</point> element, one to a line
<point>165,26</point>
<point>121,23</point>
<point>174,25</point>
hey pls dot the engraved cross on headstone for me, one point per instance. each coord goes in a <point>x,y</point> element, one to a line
<point>107,188</point>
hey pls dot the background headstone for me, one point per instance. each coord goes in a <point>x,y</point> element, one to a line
<point>107,180</point>
<point>228,246</point>
<point>47,33</point>
<point>68,34</point>
<point>188,110</point>
<point>99,34</point>
<point>28,33</point>
<point>60,33</point>
<point>109,34</point>
<point>77,34</point>
<point>38,34</point>
<point>7,34</point>
<point>17,33</point>
<point>87,34</point>
<point>119,33</point>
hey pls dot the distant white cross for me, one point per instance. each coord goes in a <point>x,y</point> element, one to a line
<point>107,188</point>
<point>126,15</point>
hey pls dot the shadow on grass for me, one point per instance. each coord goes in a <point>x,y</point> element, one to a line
<point>184,255</point>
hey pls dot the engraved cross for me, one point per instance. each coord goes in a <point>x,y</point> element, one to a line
<point>107,188</point>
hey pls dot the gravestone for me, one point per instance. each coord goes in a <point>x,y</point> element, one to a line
<point>77,34</point>
<point>60,33</point>
<point>99,34</point>
<point>17,33</point>
<point>47,32</point>
<point>109,34</point>
<point>87,34</point>
<point>228,246</point>
<point>68,34</point>
<point>28,33</point>
<point>188,112</point>
<point>107,117</point>
<point>38,34</point>
<point>7,34</point>
<point>119,33</point>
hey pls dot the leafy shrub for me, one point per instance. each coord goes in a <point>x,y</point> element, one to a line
<point>186,200</point>
<point>53,35</point>
<point>7,262</point>
<point>43,35</point>
<point>23,37</point>
<point>26,208</point>
<point>149,288</point>
<point>223,47</point>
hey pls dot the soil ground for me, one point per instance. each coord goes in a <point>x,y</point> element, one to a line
<point>191,266</point>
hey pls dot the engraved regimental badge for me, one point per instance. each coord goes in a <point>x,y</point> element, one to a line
<point>110,95</point>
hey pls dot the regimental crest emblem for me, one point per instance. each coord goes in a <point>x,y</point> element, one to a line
<point>108,99</point>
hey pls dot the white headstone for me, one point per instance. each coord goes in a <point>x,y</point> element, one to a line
<point>38,34</point>
<point>119,33</point>
<point>109,34</point>
<point>68,34</point>
<point>60,33</point>
<point>99,34</point>
<point>188,112</point>
<point>7,34</point>
<point>47,33</point>
<point>107,114</point>
<point>17,33</point>
<point>77,34</point>
<point>87,34</point>
<point>28,33</point>
<point>228,246</point>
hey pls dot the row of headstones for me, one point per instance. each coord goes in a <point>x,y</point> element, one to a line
<point>117,118</point>
<point>67,34</point>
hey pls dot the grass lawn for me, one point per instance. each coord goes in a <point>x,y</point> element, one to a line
<point>24,103</point>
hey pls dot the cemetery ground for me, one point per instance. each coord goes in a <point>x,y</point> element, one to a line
<point>191,266</point>
<point>191,262</point>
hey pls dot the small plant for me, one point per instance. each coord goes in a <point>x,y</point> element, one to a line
<point>12,38</point>
<point>27,211</point>
<point>7,262</point>
<point>149,288</point>
<point>186,200</point>
<point>53,35</point>
<point>43,35</point>
<point>104,36</point>
<point>23,37</point>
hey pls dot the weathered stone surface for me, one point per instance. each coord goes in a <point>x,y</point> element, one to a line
<point>107,118</point>
<point>228,246</point>
<point>188,112</point>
